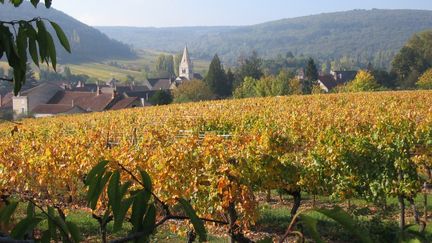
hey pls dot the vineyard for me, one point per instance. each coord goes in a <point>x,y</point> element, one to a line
<point>221,155</point>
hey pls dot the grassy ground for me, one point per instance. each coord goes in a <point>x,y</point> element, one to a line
<point>106,70</point>
<point>274,218</point>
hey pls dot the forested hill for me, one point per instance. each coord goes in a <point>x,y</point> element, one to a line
<point>88,43</point>
<point>360,34</point>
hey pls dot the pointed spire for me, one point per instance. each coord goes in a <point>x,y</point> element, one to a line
<point>186,58</point>
<point>186,66</point>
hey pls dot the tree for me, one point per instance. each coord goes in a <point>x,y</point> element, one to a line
<point>425,81</point>
<point>230,80</point>
<point>413,59</point>
<point>385,79</point>
<point>67,73</point>
<point>19,37</point>
<point>407,65</point>
<point>311,71</point>
<point>295,86</point>
<point>30,75</point>
<point>325,67</point>
<point>216,78</point>
<point>364,81</point>
<point>130,79</point>
<point>192,91</point>
<point>165,65</point>
<point>249,67</point>
<point>274,86</point>
<point>246,89</point>
<point>161,97</point>
<point>177,60</point>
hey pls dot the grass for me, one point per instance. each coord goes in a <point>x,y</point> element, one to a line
<point>274,219</point>
<point>105,71</point>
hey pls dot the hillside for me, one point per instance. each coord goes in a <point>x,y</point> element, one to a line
<point>361,34</point>
<point>88,43</point>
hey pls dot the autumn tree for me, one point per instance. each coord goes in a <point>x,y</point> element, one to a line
<point>192,91</point>
<point>364,81</point>
<point>425,81</point>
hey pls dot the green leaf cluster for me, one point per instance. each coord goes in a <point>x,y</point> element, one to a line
<point>17,38</point>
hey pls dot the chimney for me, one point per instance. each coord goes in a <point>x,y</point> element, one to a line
<point>98,90</point>
<point>73,103</point>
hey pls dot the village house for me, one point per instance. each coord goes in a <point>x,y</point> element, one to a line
<point>57,98</point>
<point>335,78</point>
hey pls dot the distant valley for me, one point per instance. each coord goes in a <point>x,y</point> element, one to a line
<point>365,35</point>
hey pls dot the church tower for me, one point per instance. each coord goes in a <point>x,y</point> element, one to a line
<point>186,66</point>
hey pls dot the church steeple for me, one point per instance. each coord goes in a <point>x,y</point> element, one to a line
<point>186,66</point>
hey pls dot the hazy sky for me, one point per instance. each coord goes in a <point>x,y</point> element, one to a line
<point>161,13</point>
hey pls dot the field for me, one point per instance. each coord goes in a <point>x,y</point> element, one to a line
<point>120,69</point>
<point>363,152</point>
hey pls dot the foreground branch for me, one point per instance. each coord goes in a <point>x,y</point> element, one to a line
<point>6,79</point>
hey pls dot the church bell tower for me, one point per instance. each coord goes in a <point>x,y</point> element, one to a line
<point>186,66</point>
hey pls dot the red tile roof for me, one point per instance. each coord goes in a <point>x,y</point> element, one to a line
<point>87,100</point>
<point>124,103</point>
<point>55,109</point>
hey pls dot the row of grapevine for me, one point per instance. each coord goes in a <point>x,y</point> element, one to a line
<point>220,154</point>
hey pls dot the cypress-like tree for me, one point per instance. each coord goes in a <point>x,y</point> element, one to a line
<point>311,72</point>
<point>230,81</point>
<point>216,78</point>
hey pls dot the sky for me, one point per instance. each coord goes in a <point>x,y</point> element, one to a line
<point>169,13</point>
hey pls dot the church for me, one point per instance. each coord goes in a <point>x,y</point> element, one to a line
<point>186,68</point>
<point>50,98</point>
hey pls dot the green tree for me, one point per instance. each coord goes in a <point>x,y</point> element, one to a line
<point>30,75</point>
<point>28,36</point>
<point>364,81</point>
<point>274,86</point>
<point>413,59</point>
<point>130,79</point>
<point>192,91</point>
<point>325,67</point>
<point>407,65</point>
<point>67,73</point>
<point>246,89</point>
<point>249,67</point>
<point>165,65</point>
<point>385,79</point>
<point>161,97</point>
<point>177,60</point>
<point>216,78</point>
<point>230,79</point>
<point>425,81</point>
<point>311,71</point>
